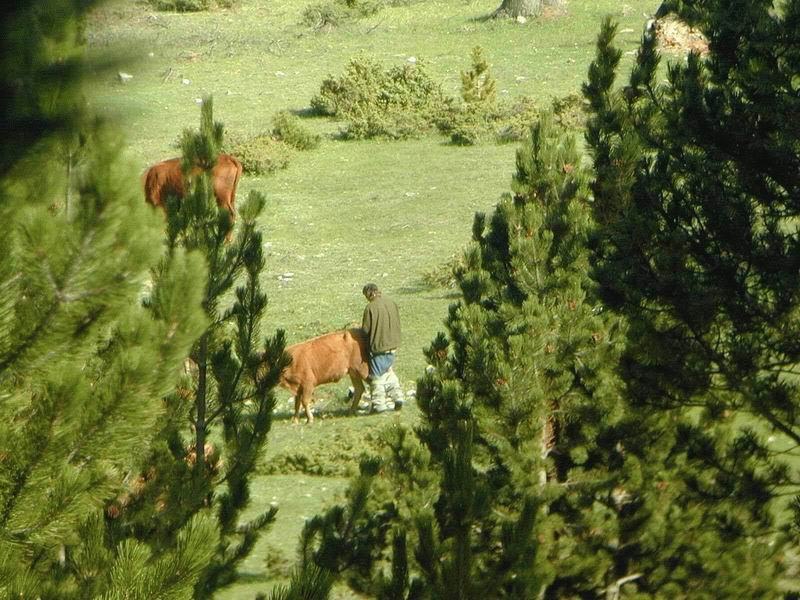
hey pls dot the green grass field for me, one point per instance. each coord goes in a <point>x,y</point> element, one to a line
<point>348,212</point>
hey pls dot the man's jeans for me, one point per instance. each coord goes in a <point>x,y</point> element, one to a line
<point>383,382</point>
<point>380,363</point>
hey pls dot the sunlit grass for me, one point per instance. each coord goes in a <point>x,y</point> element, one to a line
<point>347,212</point>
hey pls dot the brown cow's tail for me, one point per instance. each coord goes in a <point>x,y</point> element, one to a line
<point>239,170</point>
<point>149,186</point>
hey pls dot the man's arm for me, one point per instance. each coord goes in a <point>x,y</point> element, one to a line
<point>366,320</point>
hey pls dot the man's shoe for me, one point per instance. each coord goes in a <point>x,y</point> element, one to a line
<point>377,410</point>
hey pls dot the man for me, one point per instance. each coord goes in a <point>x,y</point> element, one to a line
<point>381,321</point>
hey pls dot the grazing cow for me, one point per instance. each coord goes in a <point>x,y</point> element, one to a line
<point>165,178</point>
<point>326,359</point>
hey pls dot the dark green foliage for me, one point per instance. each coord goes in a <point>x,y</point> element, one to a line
<point>308,583</point>
<point>508,477</point>
<point>226,396</point>
<point>696,195</point>
<point>401,102</point>
<point>83,365</point>
<point>537,478</point>
<point>40,79</point>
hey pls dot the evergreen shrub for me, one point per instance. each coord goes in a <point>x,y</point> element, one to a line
<point>405,102</point>
<point>398,103</point>
<point>503,122</point>
<point>261,154</point>
<point>288,128</point>
<point>570,111</point>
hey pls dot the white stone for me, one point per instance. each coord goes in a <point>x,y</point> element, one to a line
<point>124,77</point>
<point>521,20</point>
<point>412,59</point>
<point>186,81</point>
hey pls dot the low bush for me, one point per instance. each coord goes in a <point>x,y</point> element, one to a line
<point>401,102</point>
<point>503,122</point>
<point>405,102</point>
<point>290,129</point>
<point>570,111</point>
<point>261,154</point>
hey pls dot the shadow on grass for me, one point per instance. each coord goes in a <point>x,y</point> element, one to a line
<point>320,412</point>
<point>308,112</point>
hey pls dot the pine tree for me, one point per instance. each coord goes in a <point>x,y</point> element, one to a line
<point>83,365</point>
<point>226,393</point>
<point>695,192</point>
<point>536,477</point>
<point>478,87</point>
<point>511,493</point>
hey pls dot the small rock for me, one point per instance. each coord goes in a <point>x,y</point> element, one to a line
<point>124,77</point>
<point>186,81</point>
<point>521,20</point>
<point>412,59</point>
<point>198,100</point>
<point>280,74</point>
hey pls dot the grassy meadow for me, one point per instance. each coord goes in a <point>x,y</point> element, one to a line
<point>347,212</point>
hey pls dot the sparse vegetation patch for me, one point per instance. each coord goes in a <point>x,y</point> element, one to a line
<point>189,5</point>
<point>399,103</point>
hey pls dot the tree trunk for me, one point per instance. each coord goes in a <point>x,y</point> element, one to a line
<point>200,407</point>
<point>519,8</point>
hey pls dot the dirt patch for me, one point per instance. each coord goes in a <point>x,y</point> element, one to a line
<point>677,37</point>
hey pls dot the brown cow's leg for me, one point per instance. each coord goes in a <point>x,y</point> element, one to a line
<point>358,391</point>
<point>297,402</point>
<point>305,398</point>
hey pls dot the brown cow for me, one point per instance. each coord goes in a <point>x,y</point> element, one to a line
<point>165,178</point>
<point>326,359</point>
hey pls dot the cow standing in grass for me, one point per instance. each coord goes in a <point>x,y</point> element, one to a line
<point>326,359</point>
<point>166,179</point>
